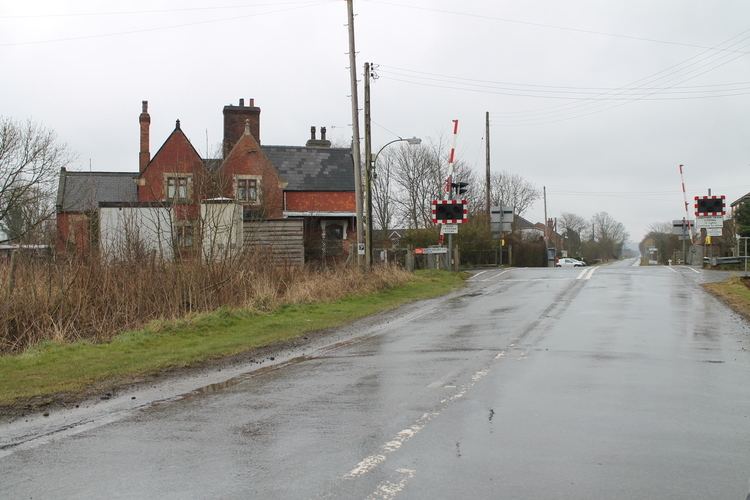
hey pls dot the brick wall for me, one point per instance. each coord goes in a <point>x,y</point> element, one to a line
<point>246,158</point>
<point>176,155</point>
<point>320,201</point>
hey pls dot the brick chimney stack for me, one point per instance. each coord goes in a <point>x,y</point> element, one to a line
<point>144,156</point>
<point>235,118</point>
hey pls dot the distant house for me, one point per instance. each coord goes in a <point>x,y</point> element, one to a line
<point>388,239</point>
<point>554,239</point>
<point>528,229</point>
<point>740,201</point>
<point>166,200</point>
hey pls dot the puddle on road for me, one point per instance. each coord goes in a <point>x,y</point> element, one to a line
<point>714,361</point>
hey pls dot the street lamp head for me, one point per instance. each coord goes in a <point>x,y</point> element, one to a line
<point>414,141</point>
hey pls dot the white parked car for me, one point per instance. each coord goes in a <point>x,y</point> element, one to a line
<point>568,262</point>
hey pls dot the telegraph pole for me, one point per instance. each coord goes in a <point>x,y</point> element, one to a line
<point>368,171</point>
<point>546,231</point>
<point>487,180</point>
<point>355,128</point>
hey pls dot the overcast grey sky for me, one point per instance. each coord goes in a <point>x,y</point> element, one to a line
<point>82,68</point>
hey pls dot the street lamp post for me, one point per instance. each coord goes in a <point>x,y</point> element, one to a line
<point>414,141</point>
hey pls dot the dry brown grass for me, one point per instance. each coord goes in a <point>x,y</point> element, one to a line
<point>734,292</point>
<point>66,301</point>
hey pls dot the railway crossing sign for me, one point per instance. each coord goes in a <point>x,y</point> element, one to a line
<point>710,205</point>
<point>450,211</point>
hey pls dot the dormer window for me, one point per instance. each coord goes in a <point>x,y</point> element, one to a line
<point>246,189</point>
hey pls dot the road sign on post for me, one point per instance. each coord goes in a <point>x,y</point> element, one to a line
<point>680,227</point>
<point>449,229</point>
<point>430,250</point>
<point>709,221</point>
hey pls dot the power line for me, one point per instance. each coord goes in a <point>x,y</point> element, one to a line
<point>641,89</point>
<point>516,94</point>
<point>406,71</point>
<point>570,94</point>
<point>161,28</point>
<point>667,74</point>
<point>545,25</point>
<point>147,11</point>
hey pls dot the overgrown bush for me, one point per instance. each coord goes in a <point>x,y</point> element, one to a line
<point>68,300</point>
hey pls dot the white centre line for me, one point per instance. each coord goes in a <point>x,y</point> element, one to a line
<point>388,489</point>
<point>369,463</point>
<point>587,273</point>
<point>478,274</point>
<point>499,274</point>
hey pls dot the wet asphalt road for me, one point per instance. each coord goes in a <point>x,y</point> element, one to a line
<point>610,382</point>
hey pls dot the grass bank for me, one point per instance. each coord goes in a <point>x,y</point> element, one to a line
<point>734,293</point>
<point>51,371</point>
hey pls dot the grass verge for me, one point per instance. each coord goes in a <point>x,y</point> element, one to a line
<point>38,375</point>
<point>735,293</point>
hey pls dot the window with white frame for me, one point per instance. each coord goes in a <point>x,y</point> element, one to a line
<point>246,189</point>
<point>178,187</point>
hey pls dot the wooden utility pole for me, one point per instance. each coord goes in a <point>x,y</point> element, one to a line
<point>355,129</point>
<point>368,171</point>
<point>487,180</point>
<point>546,226</point>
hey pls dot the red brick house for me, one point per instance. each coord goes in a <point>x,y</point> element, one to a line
<point>314,183</point>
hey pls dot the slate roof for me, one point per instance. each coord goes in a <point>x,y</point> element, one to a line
<point>81,191</point>
<point>313,169</point>
<point>522,224</point>
<point>738,201</point>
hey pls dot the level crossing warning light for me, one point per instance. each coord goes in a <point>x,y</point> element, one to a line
<point>710,206</point>
<point>450,211</point>
<point>459,188</point>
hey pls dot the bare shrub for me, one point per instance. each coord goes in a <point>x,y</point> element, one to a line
<point>68,300</point>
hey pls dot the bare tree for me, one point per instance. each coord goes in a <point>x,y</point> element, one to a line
<point>571,222</point>
<point>512,190</point>
<point>572,227</point>
<point>610,235</point>
<point>30,159</point>
<point>416,181</point>
<point>660,227</point>
<point>382,205</point>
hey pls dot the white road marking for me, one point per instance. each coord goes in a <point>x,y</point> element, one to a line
<point>535,279</point>
<point>478,274</point>
<point>369,463</point>
<point>499,274</point>
<point>694,270</point>
<point>587,273</point>
<point>671,269</point>
<point>388,490</point>
<point>637,263</point>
